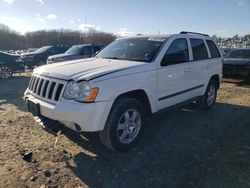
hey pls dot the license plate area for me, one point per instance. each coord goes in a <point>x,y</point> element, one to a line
<point>34,108</point>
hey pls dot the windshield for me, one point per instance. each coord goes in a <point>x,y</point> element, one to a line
<point>240,54</point>
<point>73,50</point>
<point>43,49</point>
<point>135,49</point>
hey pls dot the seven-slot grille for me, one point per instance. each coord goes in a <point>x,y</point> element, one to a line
<point>46,88</point>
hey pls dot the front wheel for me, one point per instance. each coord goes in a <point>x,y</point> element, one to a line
<point>207,101</point>
<point>124,125</point>
<point>5,72</point>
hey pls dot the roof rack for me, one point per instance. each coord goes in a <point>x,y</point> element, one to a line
<point>187,32</point>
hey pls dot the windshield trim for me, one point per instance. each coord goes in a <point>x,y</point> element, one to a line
<point>114,58</point>
<point>163,44</point>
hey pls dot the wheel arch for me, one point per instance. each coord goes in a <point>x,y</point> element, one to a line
<point>216,78</point>
<point>141,96</point>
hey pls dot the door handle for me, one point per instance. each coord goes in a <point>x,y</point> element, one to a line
<point>187,70</point>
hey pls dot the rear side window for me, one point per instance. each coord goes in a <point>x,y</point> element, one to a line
<point>199,49</point>
<point>213,49</point>
<point>176,53</point>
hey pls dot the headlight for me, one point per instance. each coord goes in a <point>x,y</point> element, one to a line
<point>80,91</point>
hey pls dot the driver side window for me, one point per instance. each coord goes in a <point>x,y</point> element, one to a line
<point>177,53</point>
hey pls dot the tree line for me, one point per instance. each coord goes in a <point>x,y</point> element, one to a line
<point>233,42</point>
<point>12,40</point>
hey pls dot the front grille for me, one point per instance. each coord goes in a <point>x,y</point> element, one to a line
<point>48,89</point>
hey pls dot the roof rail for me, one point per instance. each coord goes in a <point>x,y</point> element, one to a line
<point>187,32</point>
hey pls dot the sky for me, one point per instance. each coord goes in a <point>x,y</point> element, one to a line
<point>224,18</point>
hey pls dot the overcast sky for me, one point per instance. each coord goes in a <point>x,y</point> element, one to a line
<point>220,17</point>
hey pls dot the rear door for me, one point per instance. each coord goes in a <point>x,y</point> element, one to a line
<point>214,66</point>
<point>200,62</point>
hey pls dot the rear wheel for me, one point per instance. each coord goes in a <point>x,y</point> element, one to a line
<point>207,101</point>
<point>5,72</point>
<point>124,125</point>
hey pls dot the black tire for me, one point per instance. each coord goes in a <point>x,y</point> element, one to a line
<point>5,72</point>
<point>110,134</point>
<point>204,102</point>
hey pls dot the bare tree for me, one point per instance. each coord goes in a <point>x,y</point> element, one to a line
<point>10,39</point>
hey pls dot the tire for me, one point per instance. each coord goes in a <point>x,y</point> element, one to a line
<point>124,125</point>
<point>207,101</point>
<point>5,72</point>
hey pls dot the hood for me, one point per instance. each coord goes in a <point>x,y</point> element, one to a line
<point>235,61</point>
<point>59,56</point>
<point>85,69</point>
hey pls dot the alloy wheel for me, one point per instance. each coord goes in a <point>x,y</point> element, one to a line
<point>129,126</point>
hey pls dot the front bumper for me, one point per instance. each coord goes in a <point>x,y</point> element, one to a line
<point>89,117</point>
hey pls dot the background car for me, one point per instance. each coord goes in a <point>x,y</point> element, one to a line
<point>237,62</point>
<point>76,52</point>
<point>10,64</point>
<point>40,56</point>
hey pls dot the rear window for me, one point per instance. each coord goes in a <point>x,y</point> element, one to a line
<point>199,49</point>
<point>213,49</point>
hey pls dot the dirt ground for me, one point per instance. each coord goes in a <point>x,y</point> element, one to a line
<point>179,148</point>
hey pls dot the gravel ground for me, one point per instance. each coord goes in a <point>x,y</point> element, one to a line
<point>179,148</point>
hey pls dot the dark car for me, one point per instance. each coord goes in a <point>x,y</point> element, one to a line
<point>10,64</point>
<point>237,62</point>
<point>40,56</point>
<point>76,52</point>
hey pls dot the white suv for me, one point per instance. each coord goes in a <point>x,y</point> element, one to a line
<point>130,79</point>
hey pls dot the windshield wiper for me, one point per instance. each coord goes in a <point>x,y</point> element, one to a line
<point>110,58</point>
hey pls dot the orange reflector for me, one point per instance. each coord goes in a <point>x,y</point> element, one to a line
<point>92,95</point>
